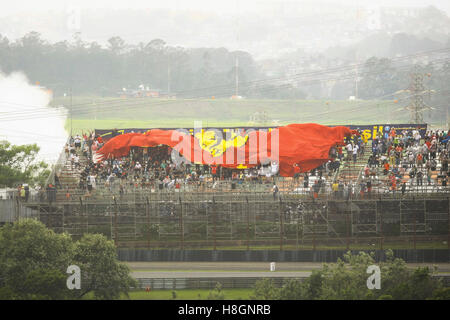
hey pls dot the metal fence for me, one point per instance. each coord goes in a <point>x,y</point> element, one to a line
<point>250,219</point>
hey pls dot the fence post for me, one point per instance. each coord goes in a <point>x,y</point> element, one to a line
<point>87,220</point>
<point>248,224</point>
<point>115,221</point>
<point>414,217</point>
<point>214,222</point>
<point>347,228</point>
<point>147,213</point>
<point>17,209</point>
<point>181,224</point>
<point>135,225</point>
<point>281,225</point>
<point>231,222</point>
<point>381,225</point>
<point>82,209</point>
<point>207,220</point>
<point>314,231</point>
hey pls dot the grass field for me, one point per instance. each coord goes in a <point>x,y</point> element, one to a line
<point>185,294</point>
<point>106,113</point>
<point>188,294</point>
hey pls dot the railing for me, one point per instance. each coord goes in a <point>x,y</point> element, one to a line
<point>105,196</point>
<point>56,168</point>
<point>207,282</point>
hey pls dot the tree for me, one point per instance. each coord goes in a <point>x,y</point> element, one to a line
<point>217,293</point>
<point>379,78</point>
<point>265,289</point>
<point>293,290</point>
<point>405,284</point>
<point>19,164</point>
<point>34,260</point>
<point>116,44</point>
<point>347,280</point>
<point>101,272</point>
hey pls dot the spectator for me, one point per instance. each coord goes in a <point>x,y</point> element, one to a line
<point>275,191</point>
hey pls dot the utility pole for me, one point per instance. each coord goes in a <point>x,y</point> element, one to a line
<point>71,111</point>
<point>447,118</point>
<point>168,75</point>
<point>356,77</point>
<point>237,42</point>
<point>417,90</point>
<point>237,76</point>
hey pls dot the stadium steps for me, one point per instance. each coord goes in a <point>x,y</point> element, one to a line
<point>350,171</point>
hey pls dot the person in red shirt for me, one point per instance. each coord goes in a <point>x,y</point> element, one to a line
<point>366,172</point>
<point>419,160</point>
<point>386,168</point>
<point>296,172</point>
<point>394,184</point>
<point>214,172</point>
<point>393,133</point>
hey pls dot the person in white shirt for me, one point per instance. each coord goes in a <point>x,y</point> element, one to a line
<point>92,180</point>
<point>137,167</point>
<point>77,142</point>
<point>349,148</point>
<point>274,167</point>
<point>355,152</point>
<point>72,160</point>
<point>76,160</point>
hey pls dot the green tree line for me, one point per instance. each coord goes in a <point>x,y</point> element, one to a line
<point>89,68</point>
<point>347,280</point>
<point>34,262</point>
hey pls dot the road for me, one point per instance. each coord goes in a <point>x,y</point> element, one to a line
<point>157,270</point>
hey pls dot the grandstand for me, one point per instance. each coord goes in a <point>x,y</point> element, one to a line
<point>242,211</point>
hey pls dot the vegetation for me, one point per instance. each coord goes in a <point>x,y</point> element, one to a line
<point>89,68</point>
<point>347,280</point>
<point>217,293</point>
<point>204,78</point>
<point>19,164</point>
<point>34,260</point>
<point>186,294</point>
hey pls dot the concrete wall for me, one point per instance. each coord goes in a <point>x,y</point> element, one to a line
<point>9,211</point>
<point>409,255</point>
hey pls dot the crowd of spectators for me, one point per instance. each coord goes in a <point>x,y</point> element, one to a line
<point>405,161</point>
<point>392,160</point>
<point>152,168</point>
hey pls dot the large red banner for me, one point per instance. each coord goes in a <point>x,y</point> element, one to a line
<point>307,145</point>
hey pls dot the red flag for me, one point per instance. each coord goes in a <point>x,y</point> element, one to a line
<point>307,144</point>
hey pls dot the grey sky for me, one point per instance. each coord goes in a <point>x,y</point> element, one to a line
<point>217,6</point>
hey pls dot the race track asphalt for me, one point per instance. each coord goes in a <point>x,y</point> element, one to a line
<point>155,270</point>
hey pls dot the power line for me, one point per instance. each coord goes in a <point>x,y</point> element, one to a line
<point>317,72</point>
<point>138,104</point>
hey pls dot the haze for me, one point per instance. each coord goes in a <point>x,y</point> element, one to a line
<point>264,28</point>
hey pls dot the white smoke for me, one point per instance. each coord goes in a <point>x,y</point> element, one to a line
<point>26,118</point>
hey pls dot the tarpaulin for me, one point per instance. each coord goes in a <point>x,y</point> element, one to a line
<point>307,145</point>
